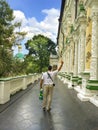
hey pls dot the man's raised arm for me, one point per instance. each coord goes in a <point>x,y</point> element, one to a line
<point>60,65</point>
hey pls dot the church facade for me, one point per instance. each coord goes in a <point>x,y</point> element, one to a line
<point>78,46</point>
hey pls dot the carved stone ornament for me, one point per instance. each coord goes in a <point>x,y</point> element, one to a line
<point>95,16</point>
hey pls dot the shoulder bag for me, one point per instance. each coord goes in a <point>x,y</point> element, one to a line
<point>50,78</point>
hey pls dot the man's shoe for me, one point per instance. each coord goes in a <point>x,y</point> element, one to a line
<point>48,110</point>
<point>44,108</point>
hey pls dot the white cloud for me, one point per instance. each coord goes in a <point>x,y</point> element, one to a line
<point>20,17</point>
<point>47,27</point>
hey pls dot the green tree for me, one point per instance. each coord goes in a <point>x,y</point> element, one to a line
<point>8,38</point>
<point>40,47</point>
<point>6,27</point>
<point>5,62</point>
<point>18,67</point>
<point>6,30</point>
<point>31,66</point>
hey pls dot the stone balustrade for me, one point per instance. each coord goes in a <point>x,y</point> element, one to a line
<point>9,86</point>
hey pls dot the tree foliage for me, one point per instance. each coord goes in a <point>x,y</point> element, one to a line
<point>8,38</point>
<point>40,47</point>
<point>6,27</point>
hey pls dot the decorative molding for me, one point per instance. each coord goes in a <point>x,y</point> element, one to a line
<point>87,3</point>
<point>92,84</point>
<point>88,39</point>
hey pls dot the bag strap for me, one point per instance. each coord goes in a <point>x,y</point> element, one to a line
<point>50,76</point>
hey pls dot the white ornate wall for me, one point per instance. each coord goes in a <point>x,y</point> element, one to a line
<point>74,47</point>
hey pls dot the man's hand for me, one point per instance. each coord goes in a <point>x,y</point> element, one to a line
<point>62,62</point>
<point>61,65</point>
<point>41,83</point>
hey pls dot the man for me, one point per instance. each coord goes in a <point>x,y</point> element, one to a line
<point>47,83</point>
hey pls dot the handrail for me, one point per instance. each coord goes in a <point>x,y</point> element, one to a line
<point>11,85</point>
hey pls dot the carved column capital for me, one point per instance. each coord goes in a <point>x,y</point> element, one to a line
<point>94,16</point>
<point>75,37</point>
<point>90,3</point>
<point>82,20</point>
<point>75,33</point>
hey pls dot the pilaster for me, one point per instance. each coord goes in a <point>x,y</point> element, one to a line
<point>76,56</point>
<point>82,23</point>
<point>94,52</point>
<point>68,59</point>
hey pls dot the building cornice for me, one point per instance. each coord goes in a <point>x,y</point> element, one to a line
<point>60,18</point>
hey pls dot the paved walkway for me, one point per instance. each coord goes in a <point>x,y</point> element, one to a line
<point>24,111</point>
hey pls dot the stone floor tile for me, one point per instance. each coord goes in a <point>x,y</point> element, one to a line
<point>68,112</point>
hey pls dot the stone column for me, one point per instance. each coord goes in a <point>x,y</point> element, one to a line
<point>68,59</point>
<point>71,57</point>
<point>70,66</point>
<point>76,58</point>
<point>82,21</point>
<point>94,49</point>
<point>86,94</point>
<point>66,62</point>
<point>71,54</point>
<point>64,59</point>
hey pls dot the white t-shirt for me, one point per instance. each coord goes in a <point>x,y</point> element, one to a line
<point>47,79</point>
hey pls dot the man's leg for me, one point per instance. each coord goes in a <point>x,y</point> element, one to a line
<point>45,94</point>
<point>49,97</point>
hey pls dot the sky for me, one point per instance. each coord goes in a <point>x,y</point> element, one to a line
<point>37,17</point>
